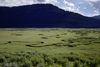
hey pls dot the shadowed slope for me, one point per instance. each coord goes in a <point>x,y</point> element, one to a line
<point>98,17</point>
<point>43,16</point>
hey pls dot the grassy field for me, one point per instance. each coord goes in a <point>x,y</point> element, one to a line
<point>52,42</point>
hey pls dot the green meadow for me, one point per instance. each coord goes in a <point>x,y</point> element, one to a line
<point>49,47</point>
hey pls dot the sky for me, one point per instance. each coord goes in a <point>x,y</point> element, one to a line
<point>85,7</point>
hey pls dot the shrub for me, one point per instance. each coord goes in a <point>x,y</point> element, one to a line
<point>93,64</point>
<point>64,63</point>
<point>26,63</point>
<point>9,41</point>
<point>71,58</point>
<point>20,59</point>
<point>49,60</point>
<point>37,60</point>
<point>72,53</point>
<point>82,60</point>
<point>11,65</point>
<point>28,56</point>
<point>7,56</point>
<point>98,60</point>
<point>85,65</point>
<point>61,60</point>
<point>88,62</point>
<point>40,65</point>
<point>12,59</point>
<point>56,59</point>
<point>76,64</point>
<point>2,59</point>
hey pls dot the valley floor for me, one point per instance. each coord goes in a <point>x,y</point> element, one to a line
<point>56,47</point>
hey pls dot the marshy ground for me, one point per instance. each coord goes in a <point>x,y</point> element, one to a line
<point>52,42</point>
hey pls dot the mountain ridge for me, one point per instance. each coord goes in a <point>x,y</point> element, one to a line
<point>43,16</point>
<point>97,17</point>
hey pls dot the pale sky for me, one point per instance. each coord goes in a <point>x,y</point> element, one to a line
<point>84,7</point>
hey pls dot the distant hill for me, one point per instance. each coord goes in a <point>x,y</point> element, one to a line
<point>97,17</point>
<point>43,16</point>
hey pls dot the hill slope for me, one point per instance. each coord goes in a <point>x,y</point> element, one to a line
<point>43,16</point>
<point>97,17</point>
